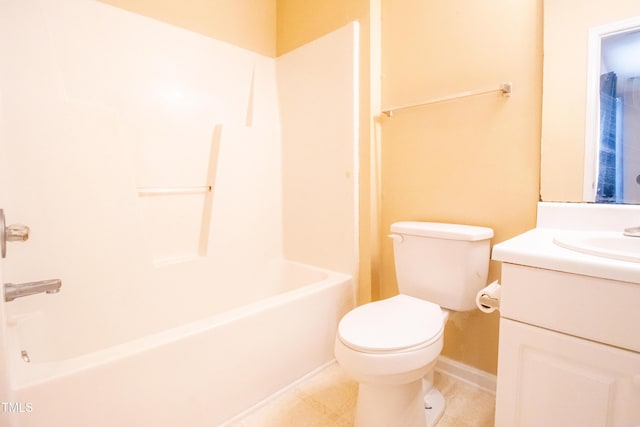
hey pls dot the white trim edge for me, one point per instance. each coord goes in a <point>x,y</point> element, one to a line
<point>269,399</point>
<point>467,374</point>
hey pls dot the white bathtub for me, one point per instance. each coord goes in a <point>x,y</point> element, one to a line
<point>197,374</point>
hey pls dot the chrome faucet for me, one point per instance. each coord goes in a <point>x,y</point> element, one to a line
<point>13,291</point>
<point>20,233</point>
<point>632,231</point>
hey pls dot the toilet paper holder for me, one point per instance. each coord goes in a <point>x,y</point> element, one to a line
<point>488,299</point>
<point>489,302</point>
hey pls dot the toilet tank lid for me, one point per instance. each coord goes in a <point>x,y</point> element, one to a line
<point>441,230</point>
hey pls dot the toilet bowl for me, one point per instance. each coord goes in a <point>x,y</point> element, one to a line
<point>391,346</point>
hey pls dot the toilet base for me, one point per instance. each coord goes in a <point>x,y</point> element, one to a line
<point>434,406</point>
<point>387,405</point>
<point>405,405</point>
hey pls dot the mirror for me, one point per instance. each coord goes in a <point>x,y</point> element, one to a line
<point>612,144</point>
<point>570,158</point>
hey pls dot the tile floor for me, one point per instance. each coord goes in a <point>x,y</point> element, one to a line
<point>328,399</point>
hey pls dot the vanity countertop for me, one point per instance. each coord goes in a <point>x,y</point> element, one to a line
<point>535,248</point>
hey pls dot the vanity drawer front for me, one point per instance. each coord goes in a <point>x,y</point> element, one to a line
<point>602,310</point>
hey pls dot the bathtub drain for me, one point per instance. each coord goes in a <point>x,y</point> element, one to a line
<point>25,356</point>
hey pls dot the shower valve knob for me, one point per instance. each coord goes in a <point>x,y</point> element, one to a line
<point>11,233</point>
<point>17,233</point>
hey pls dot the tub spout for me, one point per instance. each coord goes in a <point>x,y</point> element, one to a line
<point>13,291</point>
<point>632,231</point>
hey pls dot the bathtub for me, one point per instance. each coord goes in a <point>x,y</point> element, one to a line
<point>202,373</point>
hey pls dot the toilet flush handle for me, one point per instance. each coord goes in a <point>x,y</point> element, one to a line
<point>397,238</point>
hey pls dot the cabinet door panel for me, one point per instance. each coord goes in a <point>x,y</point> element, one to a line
<point>551,379</point>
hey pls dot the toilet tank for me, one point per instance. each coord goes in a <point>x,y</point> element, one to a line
<point>443,263</point>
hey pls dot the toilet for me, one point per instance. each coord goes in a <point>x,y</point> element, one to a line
<point>391,346</point>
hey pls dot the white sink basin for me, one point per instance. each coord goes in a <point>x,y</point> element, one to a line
<point>608,244</point>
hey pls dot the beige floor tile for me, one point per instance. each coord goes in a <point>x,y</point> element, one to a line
<point>443,382</point>
<point>332,388</point>
<point>328,400</point>
<point>449,421</point>
<point>470,405</point>
<point>349,414</point>
<point>287,411</point>
<point>335,420</point>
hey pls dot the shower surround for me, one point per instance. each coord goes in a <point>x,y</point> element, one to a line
<point>172,182</point>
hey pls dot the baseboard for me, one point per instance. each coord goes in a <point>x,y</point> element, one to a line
<point>466,373</point>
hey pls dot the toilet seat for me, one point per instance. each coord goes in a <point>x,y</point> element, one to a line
<point>396,324</point>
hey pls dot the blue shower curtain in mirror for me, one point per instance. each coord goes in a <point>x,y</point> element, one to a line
<point>606,187</point>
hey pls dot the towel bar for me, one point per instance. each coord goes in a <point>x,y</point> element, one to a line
<point>505,88</point>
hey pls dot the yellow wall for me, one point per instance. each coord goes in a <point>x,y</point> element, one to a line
<point>250,24</point>
<point>300,21</point>
<point>473,160</point>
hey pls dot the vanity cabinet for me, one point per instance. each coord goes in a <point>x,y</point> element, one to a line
<point>569,351</point>
<point>547,378</point>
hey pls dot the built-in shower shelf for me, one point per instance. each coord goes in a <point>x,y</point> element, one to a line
<point>159,191</point>
<point>176,221</point>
